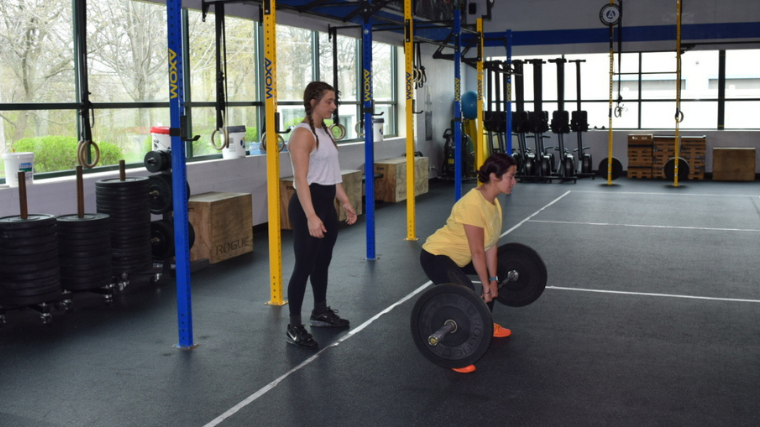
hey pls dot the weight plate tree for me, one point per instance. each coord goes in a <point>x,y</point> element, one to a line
<point>451,326</point>
<point>29,269</point>
<point>85,251</point>
<point>128,204</point>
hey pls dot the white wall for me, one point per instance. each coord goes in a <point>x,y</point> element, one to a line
<point>57,196</point>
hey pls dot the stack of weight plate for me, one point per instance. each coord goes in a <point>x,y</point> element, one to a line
<point>84,246</point>
<point>29,272</point>
<point>127,203</point>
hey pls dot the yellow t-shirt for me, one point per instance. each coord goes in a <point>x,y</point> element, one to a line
<point>472,209</point>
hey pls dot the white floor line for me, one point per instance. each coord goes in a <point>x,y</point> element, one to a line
<point>250,399</point>
<point>665,194</point>
<point>648,226</point>
<point>653,294</point>
<point>534,214</point>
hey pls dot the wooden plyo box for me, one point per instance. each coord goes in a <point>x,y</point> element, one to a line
<point>392,186</point>
<point>352,185</point>
<point>223,224</point>
<point>733,164</point>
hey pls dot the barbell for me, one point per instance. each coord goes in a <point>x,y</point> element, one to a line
<point>452,326</point>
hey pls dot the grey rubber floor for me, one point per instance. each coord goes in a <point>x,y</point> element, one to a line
<point>651,318</point>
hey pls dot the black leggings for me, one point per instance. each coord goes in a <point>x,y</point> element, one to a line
<point>442,269</point>
<point>313,255</point>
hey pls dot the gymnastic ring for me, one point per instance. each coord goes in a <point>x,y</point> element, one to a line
<point>225,141</point>
<point>280,142</point>
<point>82,158</point>
<point>359,128</point>
<point>341,131</point>
<point>679,116</point>
<point>619,111</point>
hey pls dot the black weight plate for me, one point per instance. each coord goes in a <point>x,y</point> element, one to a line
<point>122,203</point>
<point>33,259</point>
<point>29,267</point>
<point>24,277</point>
<point>73,221</point>
<point>472,338</point>
<point>84,278</point>
<point>160,193</point>
<point>140,267</point>
<point>23,284</point>
<point>162,238</point>
<point>617,168</point>
<point>15,222</point>
<point>670,169</point>
<point>157,161</point>
<point>130,181</point>
<point>28,233</point>
<point>532,274</point>
<point>99,272</point>
<point>27,249</point>
<point>84,258</point>
<point>98,240</point>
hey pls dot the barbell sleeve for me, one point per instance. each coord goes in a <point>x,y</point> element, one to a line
<point>449,327</point>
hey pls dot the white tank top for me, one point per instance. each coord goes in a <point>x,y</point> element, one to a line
<point>324,168</point>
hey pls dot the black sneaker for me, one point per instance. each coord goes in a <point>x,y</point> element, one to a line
<point>328,319</point>
<point>298,336</point>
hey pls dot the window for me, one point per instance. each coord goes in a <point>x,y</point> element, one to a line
<point>39,70</point>
<point>127,78</point>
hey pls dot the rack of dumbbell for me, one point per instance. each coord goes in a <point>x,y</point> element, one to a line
<point>161,203</point>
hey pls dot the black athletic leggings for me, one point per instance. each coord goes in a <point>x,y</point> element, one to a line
<point>442,269</point>
<point>313,255</point>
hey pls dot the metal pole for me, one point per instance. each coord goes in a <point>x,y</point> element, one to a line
<point>409,66</point>
<point>479,152</point>
<point>179,174</point>
<point>508,97</point>
<point>457,104</point>
<point>369,146</point>
<point>273,154</point>
<point>679,114</point>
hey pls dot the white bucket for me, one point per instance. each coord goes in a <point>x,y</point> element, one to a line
<point>377,130</point>
<point>18,162</point>
<point>236,147</point>
<point>162,141</point>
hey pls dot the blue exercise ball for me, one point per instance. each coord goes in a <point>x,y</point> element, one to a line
<point>470,105</point>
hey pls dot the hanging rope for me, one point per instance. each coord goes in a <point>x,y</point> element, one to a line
<point>679,113</point>
<point>221,81</point>
<point>86,112</point>
<point>620,107</point>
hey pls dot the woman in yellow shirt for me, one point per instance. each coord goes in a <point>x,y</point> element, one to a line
<point>467,243</point>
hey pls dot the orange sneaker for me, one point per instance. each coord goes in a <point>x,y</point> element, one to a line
<point>499,332</point>
<point>465,370</point>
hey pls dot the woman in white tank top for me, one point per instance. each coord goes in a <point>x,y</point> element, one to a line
<point>314,158</point>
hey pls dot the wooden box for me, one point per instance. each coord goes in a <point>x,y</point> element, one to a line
<point>223,224</point>
<point>352,185</point>
<point>733,164</point>
<point>391,187</point>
